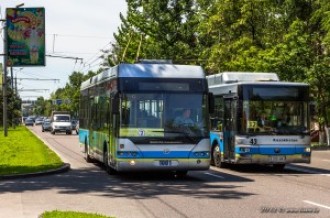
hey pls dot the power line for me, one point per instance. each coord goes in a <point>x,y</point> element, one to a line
<point>65,57</point>
<point>56,80</point>
<point>80,36</point>
<point>96,57</point>
<point>32,90</point>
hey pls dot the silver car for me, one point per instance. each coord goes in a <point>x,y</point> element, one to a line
<point>46,125</point>
<point>29,122</point>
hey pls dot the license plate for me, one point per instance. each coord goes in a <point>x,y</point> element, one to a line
<point>278,158</point>
<point>165,163</point>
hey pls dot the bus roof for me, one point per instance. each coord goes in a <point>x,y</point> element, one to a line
<point>146,70</point>
<point>235,77</point>
<point>220,89</point>
<point>160,70</point>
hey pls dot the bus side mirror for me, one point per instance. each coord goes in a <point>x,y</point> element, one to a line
<point>211,103</point>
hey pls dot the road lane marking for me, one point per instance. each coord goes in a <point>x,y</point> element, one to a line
<point>326,160</point>
<point>325,174</point>
<point>316,204</point>
<point>221,177</point>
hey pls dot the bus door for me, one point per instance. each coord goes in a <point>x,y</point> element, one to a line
<point>92,123</point>
<point>113,124</point>
<point>229,127</point>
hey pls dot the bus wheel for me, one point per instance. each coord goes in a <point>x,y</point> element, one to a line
<point>107,167</point>
<point>278,167</point>
<point>87,157</point>
<point>216,156</point>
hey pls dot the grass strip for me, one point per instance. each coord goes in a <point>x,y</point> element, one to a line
<point>71,214</point>
<point>22,152</point>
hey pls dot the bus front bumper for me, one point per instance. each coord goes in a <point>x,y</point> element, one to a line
<point>162,164</point>
<point>272,159</point>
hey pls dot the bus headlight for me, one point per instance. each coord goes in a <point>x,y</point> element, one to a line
<point>133,153</point>
<point>308,149</point>
<point>240,141</point>
<point>127,153</point>
<point>202,154</point>
<point>243,149</point>
<point>132,162</point>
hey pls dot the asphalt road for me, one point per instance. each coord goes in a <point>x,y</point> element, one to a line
<point>247,191</point>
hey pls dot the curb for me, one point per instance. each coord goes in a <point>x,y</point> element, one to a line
<point>64,168</point>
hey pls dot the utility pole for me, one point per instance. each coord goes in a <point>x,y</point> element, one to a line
<point>16,86</point>
<point>4,90</point>
<point>4,83</point>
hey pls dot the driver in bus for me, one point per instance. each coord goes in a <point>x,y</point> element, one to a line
<point>184,119</point>
<point>262,120</point>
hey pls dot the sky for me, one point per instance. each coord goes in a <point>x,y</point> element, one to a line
<point>74,28</point>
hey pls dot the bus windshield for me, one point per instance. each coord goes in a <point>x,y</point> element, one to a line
<point>164,117</point>
<point>277,117</point>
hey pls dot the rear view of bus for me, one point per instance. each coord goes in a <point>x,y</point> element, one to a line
<point>259,119</point>
<point>129,118</point>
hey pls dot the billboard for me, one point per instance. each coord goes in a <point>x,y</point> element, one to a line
<point>25,36</point>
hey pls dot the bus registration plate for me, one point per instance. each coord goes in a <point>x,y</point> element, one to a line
<point>165,163</point>
<point>278,158</point>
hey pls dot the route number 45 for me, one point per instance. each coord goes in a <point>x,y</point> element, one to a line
<point>253,141</point>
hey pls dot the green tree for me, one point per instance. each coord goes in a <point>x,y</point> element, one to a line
<point>157,30</point>
<point>40,106</point>
<point>69,95</point>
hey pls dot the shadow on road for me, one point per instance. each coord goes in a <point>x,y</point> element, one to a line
<point>139,186</point>
<point>268,169</point>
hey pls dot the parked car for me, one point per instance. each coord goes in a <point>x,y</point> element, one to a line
<point>29,122</point>
<point>46,125</point>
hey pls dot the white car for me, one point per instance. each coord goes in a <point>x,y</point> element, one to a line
<point>61,123</point>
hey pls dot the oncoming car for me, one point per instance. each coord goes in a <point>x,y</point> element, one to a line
<point>29,122</point>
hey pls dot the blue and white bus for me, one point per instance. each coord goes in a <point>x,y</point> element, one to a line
<point>127,118</point>
<point>258,119</point>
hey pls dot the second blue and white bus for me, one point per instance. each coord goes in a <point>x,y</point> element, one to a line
<point>238,136</point>
<point>127,113</point>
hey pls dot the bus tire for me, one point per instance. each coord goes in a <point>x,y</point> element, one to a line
<point>216,154</point>
<point>87,157</point>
